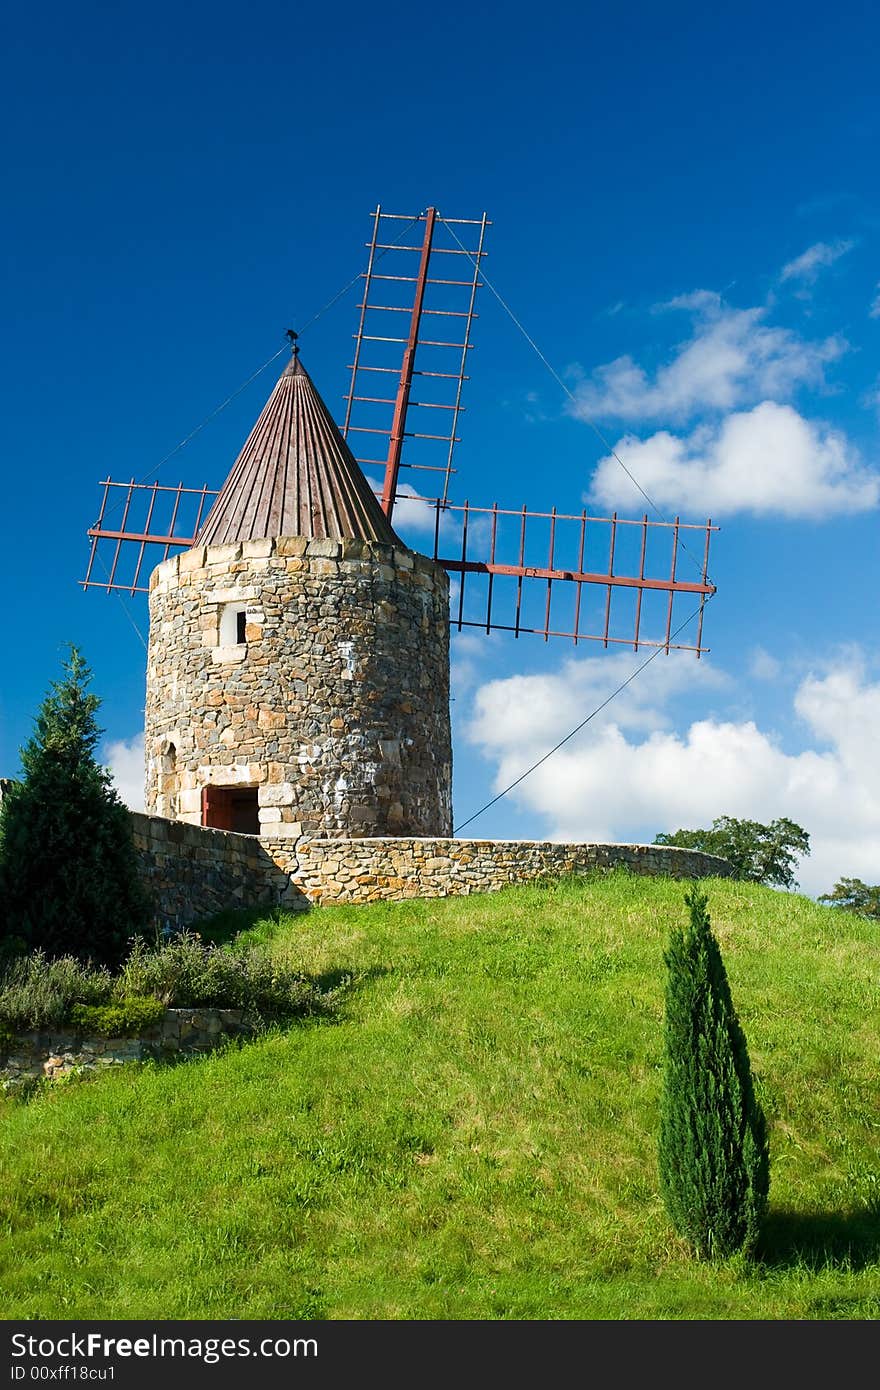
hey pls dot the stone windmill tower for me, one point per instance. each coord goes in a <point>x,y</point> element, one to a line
<point>298,666</point>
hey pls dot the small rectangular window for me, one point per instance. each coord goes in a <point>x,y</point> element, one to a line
<point>240,626</point>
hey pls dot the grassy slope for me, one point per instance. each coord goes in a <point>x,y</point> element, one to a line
<point>474,1138</point>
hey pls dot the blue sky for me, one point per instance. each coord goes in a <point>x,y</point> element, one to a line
<point>686,220</point>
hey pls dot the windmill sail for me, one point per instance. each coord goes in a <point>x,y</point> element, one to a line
<point>612,579</point>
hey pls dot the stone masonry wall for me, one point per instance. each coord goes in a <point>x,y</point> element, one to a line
<point>336,705</point>
<point>364,871</point>
<point>192,872</point>
<point>51,1053</point>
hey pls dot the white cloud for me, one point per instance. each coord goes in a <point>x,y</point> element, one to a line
<point>767,461</point>
<point>733,358</point>
<point>627,776</point>
<point>125,759</point>
<point>809,263</point>
<point>534,709</point>
<point>874,311</point>
<point>763,666</point>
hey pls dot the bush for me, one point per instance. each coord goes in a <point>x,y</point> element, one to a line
<point>189,972</point>
<point>36,992</point>
<point>124,1019</point>
<point>68,874</point>
<point>713,1150</point>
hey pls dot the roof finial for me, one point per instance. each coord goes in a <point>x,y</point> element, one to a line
<point>293,337</point>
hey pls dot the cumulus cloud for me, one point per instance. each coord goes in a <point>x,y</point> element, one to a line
<point>809,263</point>
<point>628,775</point>
<point>767,461</point>
<point>874,311</point>
<point>125,759</point>
<point>732,358</point>
<point>534,709</point>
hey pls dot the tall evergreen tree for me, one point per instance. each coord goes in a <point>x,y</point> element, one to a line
<point>713,1151</point>
<point>68,879</point>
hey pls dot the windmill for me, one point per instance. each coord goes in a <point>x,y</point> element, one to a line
<point>365,745</point>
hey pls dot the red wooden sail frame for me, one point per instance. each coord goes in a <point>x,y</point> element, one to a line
<point>374,352</point>
<point>464,562</point>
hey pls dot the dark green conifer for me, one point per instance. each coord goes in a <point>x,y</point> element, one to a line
<point>713,1151</point>
<point>68,879</point>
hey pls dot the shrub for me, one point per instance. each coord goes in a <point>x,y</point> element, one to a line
<point>190,972</point>
<point>713,1149</point>
<point>123,1019</point>
<point>36,992</point>
<point>68,877</point>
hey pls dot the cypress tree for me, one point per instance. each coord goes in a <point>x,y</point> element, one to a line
<point>713,1149</point>
<point>68,876</point>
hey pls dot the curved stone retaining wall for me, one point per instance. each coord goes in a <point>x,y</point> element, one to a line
<point>365,871</point>
<point>192,872</point>
<point>54,1052</point>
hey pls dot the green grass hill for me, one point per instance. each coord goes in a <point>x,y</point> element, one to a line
<point>472,1136</point>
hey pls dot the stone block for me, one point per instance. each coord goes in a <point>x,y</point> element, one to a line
<point>190,800</point>
<point>276,794</point>
<point>228,656</point>
<point>169,570</point>
<point>269,815</point>
<point>291,545</point>
<point>219,596</point>
<point>223,554</point>
<point>191,560</point>
<point>285,830</point>
<point>258,549</point>
<point>353,549</point>
<point>323,548</point>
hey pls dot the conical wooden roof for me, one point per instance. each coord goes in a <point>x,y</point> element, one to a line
<point>296,476</point>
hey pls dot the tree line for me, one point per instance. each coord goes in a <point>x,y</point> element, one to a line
<point>767,854</point>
